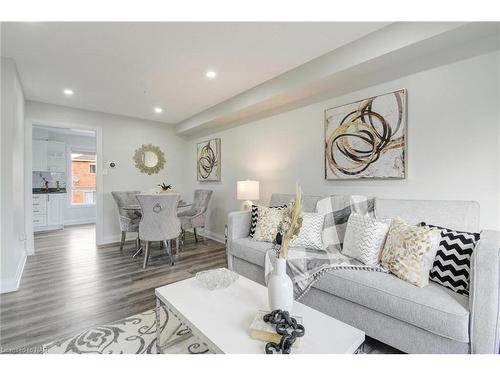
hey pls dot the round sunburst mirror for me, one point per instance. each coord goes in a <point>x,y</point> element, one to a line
<point>149,159</point>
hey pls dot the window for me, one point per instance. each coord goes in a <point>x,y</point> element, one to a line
<point>83,183</point>
<point>89,197</point>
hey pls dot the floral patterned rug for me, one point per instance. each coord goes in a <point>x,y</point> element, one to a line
<point>132,335</point>
<point>137,335</point>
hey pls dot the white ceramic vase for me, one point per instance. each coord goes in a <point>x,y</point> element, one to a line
<point>280,288</point>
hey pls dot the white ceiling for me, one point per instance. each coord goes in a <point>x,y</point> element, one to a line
<point>130,68</point>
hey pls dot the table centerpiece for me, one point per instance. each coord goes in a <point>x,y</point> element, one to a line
<point>280,286</point>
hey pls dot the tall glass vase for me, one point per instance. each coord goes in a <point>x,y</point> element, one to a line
<point>280,288</point>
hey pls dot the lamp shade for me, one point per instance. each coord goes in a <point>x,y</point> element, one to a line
<point>247,190</point>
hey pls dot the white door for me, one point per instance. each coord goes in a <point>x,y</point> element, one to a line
<point>55,206</point>
<point>39,154</point>
<point>56,156</point>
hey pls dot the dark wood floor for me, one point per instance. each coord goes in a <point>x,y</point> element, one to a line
<point>70,284</point>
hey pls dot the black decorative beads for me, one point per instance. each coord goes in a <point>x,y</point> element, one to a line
<point>287,327</point>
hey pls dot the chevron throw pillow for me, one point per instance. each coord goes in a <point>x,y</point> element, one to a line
<point>364,238</point>
<point>451,267</point>
<point>310,235</point>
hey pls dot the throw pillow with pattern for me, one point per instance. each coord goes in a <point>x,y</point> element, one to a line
<point>409,251</point>
<point>267,223</point>
<point>451,267</point>
<point>365,238</point>
<point>255,217</point>
<point>310,235</point>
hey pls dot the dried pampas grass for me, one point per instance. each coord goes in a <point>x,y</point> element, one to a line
<point>292,221</point>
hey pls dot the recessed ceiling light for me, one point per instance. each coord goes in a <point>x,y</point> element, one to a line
<point>68,92</point>
<point>211,74</point>
<point>158,110</point>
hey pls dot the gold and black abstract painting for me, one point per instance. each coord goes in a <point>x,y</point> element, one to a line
<point>208,160</point>
<point>367,138</point>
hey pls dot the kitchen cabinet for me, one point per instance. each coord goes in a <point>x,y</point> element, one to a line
<point>39,154</point>
<point>48,211</point>
<point>49,156</point>
<point>55,209</point>
<point>40,204</point>
<point>56,156</point>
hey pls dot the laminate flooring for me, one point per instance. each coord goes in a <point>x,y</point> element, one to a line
<point>70,284</point>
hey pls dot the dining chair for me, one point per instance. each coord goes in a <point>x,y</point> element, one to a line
<point>129,220</point>
<point>159,222</point>
<point>195,216</point>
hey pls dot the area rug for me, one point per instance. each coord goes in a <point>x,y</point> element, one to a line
<point>132,335</point>
<point>137,335</point>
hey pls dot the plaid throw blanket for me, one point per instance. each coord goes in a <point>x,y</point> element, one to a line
<point>306,266</point>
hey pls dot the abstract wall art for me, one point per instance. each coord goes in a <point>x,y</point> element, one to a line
<point>208,160</point>
<point>367,138</point>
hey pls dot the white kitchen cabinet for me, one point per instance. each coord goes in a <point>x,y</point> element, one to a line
<point>39,221</point>
<point>49,156</point>
<point>56,156</point>
<point>55,209</point>
<point>39,204</point>
<point>48,211</point>
<point>39,155</point>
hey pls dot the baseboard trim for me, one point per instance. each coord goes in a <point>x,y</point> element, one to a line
<point>213,236</point>
<point>13,284</point>
<point>116,239</point>
<point>79,221</point>
<point>47,228</point>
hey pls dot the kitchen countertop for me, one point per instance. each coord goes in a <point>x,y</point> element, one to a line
<point>51,191</point>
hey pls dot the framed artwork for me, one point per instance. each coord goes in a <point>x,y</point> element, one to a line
<point>208,160</point>
<point>367,138</point>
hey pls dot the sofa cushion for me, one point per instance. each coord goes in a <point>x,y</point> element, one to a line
<point>451,266</point>
<point>409,251</point>
<point>250,250</point>
<point>268,223</point>
<point>433,308</point>
<point>255,217</point>
<point>310,233</point>
<point>364,238</point>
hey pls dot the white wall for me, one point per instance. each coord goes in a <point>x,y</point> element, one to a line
<point>453,150</point>
<point>13,253</point>
<point>121,136</point>
<point>73,214</point>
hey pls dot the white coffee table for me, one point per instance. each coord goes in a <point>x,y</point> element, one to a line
<point>221,319</point>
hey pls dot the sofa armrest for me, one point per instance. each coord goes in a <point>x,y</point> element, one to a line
<point>484,302</point>
<point>238,225</point>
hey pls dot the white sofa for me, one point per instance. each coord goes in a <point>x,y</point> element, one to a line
<point>432,319</point>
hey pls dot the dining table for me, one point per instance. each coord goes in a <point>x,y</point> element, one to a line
<point>137,207</point>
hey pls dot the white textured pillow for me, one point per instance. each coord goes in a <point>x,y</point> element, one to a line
<point>364,238</point>
<point>409,251</point>
<point>267,223</point>
<point>310,232</point>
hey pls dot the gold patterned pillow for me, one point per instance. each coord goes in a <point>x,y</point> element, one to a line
<point>267,223</point>
<point>409,251</point>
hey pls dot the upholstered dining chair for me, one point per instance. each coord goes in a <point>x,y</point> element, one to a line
<point>129,220</point>
<point>159,222</point>
<point>196,215</point>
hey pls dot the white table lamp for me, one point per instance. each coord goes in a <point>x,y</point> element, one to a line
<point>246,191</point>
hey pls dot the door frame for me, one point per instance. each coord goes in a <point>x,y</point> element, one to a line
<point>30,250</point>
